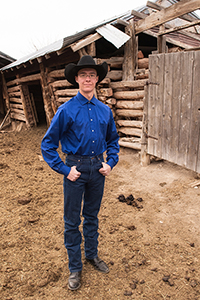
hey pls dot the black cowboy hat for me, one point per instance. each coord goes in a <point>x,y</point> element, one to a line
<point>86,61</point>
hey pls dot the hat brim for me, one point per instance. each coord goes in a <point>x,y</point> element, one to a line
<point>72,69</point>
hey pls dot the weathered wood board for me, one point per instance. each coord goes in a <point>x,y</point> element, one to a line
<point>174,108</point>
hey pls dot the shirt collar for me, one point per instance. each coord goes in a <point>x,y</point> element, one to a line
<point>84,100</point>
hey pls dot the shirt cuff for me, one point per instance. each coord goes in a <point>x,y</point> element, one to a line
<point>65,170</point>
<point>111,163</point>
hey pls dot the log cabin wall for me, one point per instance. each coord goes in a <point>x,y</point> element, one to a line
<point>123,90</point>
<point>125,98</point>
<point>19,100</point>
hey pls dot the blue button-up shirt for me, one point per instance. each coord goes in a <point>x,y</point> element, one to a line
<point>83,127</point>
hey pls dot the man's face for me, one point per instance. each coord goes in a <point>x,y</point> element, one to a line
<point>87,79</point>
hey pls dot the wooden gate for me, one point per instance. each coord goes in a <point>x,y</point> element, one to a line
<point>173,108</point>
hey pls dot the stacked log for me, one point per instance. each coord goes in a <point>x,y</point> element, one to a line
<point>16,106</point>
<point>128,96</point>
<point>129,111</point>
<point>105,94</point>
<point>126,101</point>
<point>125,98</point>
<point>62,90</point>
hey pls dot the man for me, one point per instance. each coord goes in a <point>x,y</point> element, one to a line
<point>86,129</point>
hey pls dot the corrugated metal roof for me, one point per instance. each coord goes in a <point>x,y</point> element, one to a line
<point>58,45</point>
<point>113,35</point>
<point>63,42</point>
<point>45,50</point>
<point>79,35</point>
<point>5,59</point>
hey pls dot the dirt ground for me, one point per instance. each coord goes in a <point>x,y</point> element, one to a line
<point>152,249</point>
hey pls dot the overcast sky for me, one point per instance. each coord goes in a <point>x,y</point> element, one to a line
<point>27,26</point>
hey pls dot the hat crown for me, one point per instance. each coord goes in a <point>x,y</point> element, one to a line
<point>86,60</point>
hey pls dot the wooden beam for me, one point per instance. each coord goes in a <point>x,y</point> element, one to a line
<point>15,100</point>
<point>66,92</point>
<point>138,14</point>
<point>160,7</point>
<point>82,52</point>
<point>144,156</point>
<point>192,49</point>
<point>129,123</point>
<point>161,41</point>
<point>129,95</point>
<point>5,91</point>
<point>47,56</point>
<point>20,106</point>
<point>133,143</point>
<point>91,49</point>
<point>185,17</point>
<point>167,14</point>
<point>179,28</point>
<point>19,117</point>
<point>46,97</point>
<point>128,84</point>
<point>129,113</point>
<point>29,78</point>
<point>130,131</point>
<point>130,104</point>
<point>60,84</point>
<point>57,73</point>
<point>24,111</point>
<point>39,59</point>
<point>122,22</point>
<point>86,41</point>
<point>129,62</point>
<point>3,122</point>
<point>154,5</point>
<point>115,74</point>
<point>13,89</point>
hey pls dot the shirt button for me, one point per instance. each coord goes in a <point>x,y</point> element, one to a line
<point>92,151</point>
<point>92,130</point>
<point>89,108</point>
<point>91,120</point>
<point>93,141</point>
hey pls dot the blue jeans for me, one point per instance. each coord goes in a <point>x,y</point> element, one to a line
<point>88,187</point>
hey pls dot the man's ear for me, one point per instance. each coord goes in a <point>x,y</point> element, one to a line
<point>76,79</point>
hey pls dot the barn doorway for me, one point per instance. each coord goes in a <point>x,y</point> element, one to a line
<point>37,99</point>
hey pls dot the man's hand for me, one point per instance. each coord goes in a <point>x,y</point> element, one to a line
<point>105,170</point>
<point>73,174</point>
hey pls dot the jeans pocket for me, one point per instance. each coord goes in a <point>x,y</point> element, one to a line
<point>73,162</point>
<point>99,164</point>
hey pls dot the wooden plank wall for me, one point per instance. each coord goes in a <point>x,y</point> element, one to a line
<point>173,108</point>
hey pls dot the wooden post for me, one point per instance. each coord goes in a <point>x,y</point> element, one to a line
<point>144,156</point>
<point>91,49</point>
<point>34,108</point>
<point>51,93</point>
<point>29,106</point>
<point>24,106</point>
<point>130,50</point>
<point>4,120</point>
<point>6,96</point>
<point>46,97</point>
<point>161,41</point>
